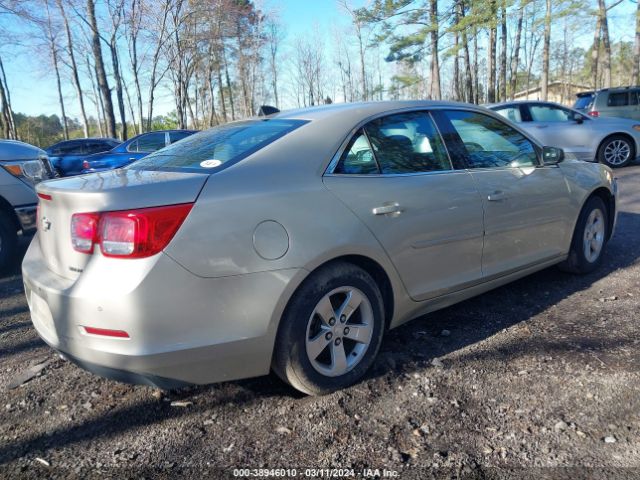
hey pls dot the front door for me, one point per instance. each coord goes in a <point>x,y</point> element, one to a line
<point>395,175</point>
<point>526,205</point>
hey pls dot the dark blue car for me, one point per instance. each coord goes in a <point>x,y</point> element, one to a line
<point>66,157</point>
<point>133,149</point>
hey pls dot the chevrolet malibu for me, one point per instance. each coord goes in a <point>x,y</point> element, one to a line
<point>294,242</point>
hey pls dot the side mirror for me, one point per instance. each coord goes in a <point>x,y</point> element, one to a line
<point>576,117</point>
<point>552,155</point>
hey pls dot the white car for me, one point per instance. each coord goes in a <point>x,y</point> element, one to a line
<point>612,141</point>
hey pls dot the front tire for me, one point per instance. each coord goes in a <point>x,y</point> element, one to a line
<point>331,330</point>
<point>589,238</point>
<point>616,151</point>
<point>8,241</point>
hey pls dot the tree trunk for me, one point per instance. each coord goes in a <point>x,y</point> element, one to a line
<point>595,51</point>
<point>476,76</point>
<point>74,69</point>
<point>54,59</point>
<point>544,93</point>
<point>101,74</point>
<point>436,92</point>
<point>516,53</point>
<point>467,60</point>
<point>635,71</point>
<point>606,61</point>
<point>5,98</point>
<point>491,63</point>
<point>115,62</point>
<point>503,52</point>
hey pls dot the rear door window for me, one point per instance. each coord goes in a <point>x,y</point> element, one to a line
<point>218,146</point>
<point>618,99</point>
<point>407,143</point>
<point>149,142</point>
<point>177,136</point>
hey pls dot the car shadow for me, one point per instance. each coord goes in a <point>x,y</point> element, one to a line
<point>411,346</point>
<point>14,266</point>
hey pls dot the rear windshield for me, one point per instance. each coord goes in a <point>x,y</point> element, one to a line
<point>583,101</point>
<point>219,146</point>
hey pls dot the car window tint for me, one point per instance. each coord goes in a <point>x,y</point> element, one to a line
<point>407,143</point>
<point>96,147</point>
<point>510,113</point>
<point>545,113</point>
<point>150,142</point>
<point>68,149</point>
<point>358,157</point>
<point>177,136</point>
<point>214,147</point>
<point>620,99</point>
<point>633,97</point>
<point>490,143</point>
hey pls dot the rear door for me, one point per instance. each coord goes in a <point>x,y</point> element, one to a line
<point>527,207</point>
<point>396,176</point>
<point>618,105</point>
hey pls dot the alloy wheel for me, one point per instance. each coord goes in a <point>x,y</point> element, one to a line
<point>594,233</point>
<point>339,331</point>
<point>617,152</point>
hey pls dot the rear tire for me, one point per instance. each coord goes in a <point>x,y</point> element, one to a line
<point>8,241</point>
<point>616,151</point>
<point>589,238</point>
<point>331,330</point>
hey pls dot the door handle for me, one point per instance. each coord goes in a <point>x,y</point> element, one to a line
<point>387,209</point>
<point>497,196</point>
<point>542,126</point>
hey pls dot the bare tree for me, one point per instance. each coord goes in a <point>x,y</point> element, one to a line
<point>544,82</point>
<point>101,74</point>
<point>74,67</point>
<point>635,71</point>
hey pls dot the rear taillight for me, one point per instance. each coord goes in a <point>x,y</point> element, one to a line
<point>594,113</point>
<point>128,234</point>
<point>84,231</point>
<point>85,165</point>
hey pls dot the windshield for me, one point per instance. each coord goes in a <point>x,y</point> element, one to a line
<point>219,146</point>
<point>583,101</point>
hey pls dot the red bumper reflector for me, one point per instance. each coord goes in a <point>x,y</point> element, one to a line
<point>105,332</point>
<point>44,196</point>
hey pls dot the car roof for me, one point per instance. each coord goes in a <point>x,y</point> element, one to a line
<point>494,106</point>
<point>608,89</point>
<point>361,109</point>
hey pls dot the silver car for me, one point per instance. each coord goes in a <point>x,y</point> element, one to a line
<point>612,141</point>
<point>21,167</point>
<point>295,241</point>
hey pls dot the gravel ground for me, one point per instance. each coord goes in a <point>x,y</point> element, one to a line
<point>538,379</point>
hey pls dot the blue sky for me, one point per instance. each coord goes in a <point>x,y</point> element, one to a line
<point>32,82</point>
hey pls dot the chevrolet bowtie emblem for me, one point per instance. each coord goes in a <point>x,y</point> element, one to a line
<point>46,224</point>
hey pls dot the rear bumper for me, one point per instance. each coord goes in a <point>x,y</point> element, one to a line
<point>27,218</point>
<point>183,329</point>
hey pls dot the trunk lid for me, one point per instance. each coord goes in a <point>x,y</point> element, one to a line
<point>107,191</point>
